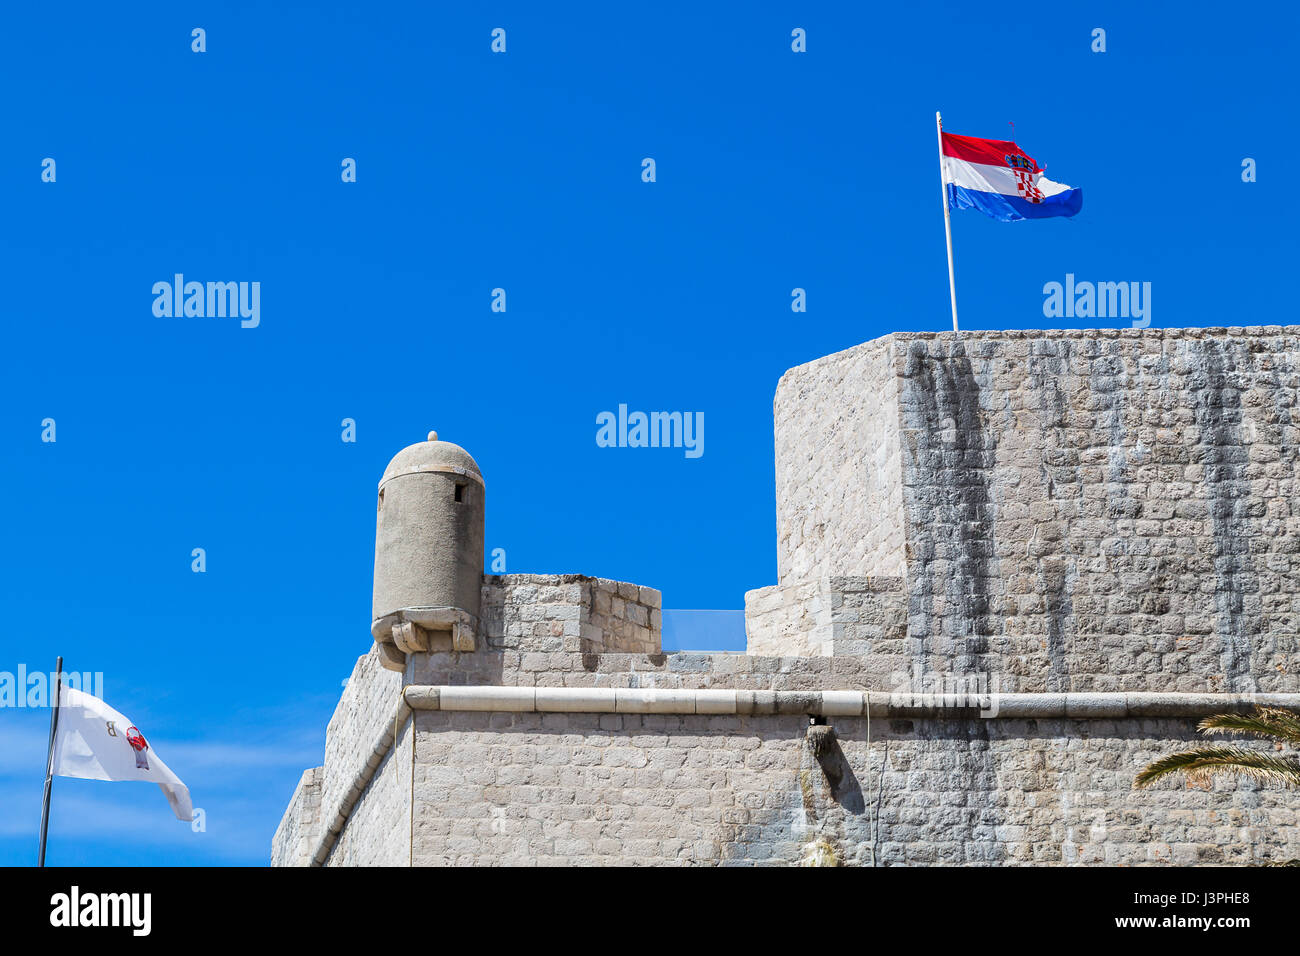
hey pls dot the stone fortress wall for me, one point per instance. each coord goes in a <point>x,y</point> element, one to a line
<point>1092,510</point>
<point>1014,567</point>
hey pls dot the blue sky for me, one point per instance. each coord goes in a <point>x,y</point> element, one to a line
<point>521,171</point>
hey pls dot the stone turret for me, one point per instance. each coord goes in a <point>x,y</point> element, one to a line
<point>428,552</point>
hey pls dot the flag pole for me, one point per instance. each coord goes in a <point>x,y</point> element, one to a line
<point>49,761</point>
<point>947,222</point>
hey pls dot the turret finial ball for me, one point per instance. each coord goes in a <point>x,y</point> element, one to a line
<point>433,436</point>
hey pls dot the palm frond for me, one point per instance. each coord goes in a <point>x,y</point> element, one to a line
<point>1265,722</point>
<point>1201,763</point>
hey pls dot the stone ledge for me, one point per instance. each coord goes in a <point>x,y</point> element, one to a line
<point>834,703</point>
<point>1173,333</point>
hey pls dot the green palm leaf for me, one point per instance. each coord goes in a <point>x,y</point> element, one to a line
<point>1265,722</point>
<point>1202,763</point>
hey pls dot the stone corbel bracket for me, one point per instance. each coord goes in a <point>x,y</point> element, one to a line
<point>416,629</point>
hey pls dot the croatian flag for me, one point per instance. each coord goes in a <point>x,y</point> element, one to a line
<point>997,178</point>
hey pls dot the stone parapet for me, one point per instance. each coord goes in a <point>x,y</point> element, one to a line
<point>1118,503</point>
<point>544,613</point>
<point>828,617</point>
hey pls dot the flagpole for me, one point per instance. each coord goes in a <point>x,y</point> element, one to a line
<point>947,223</point>
<point>49,761</point>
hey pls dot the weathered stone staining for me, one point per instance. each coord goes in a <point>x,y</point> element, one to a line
<point>1075,510</point>
<point>1013,567</point>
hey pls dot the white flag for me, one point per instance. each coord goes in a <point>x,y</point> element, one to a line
<point>96,742</point>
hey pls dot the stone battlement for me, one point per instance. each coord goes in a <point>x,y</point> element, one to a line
<point>1034,558</point>
<point>1058,504</point>
<point>543,613</point>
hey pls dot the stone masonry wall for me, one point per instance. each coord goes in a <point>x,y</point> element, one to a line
<point>837,454</point>
<point>1079,508</point>
<point>656,789</point>
<point>363,712</point>
<point>293,843</point>
<point>606,788</point>
<point>543,613</point>
<point>683,670</point>
<point>378,831</point>
<point>790,619</point>
<point>829,616</point>
<point>525,616</point>
<point>886,668</point>
<point>624,618</point>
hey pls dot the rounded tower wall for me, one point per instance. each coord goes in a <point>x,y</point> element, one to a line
<point>429,544</point>
<point>429,530</point>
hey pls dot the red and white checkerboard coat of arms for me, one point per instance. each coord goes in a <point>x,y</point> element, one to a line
<point>1025,170</point>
